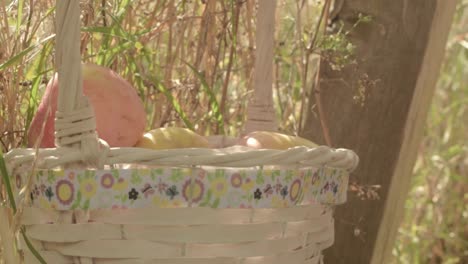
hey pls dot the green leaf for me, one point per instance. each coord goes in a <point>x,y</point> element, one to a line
<point>175,104</point>
<point>219,173</point>
<point>289,176</point>
<point>275,174</point>
<point>31,247</point>
<point>77,202</point>
<point>50,177</point>
<point>208,195</point>
<point>19,17</point>
<point>212,98</point>
<point>215,203</point>
<point>86,205</point>
<point>6,181</point>
<point>177,175</point>
<point>115,173</point>
<point>17,58</point>
<point>110,31</point>
<point>260,178</point>
<point>136,179</point>
<point>153,175</point>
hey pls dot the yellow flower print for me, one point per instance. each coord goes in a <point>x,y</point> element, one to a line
<point>219,187</point>
<point>88,188</point>
<point>144,172</point>
<point>44,203</point>
<point>193,192</point>
<point>121,185</point>
<point>176,203</point>
<point>295,190</point>
<point>278,202</point>
<point>328,198</point>
<point>65,192</point>
<point>161,203</point>
<point>248,185</point>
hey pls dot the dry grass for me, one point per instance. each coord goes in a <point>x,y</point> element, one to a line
<point>191,62</point>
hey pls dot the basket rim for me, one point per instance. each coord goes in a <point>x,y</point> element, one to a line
<point>234,156</point>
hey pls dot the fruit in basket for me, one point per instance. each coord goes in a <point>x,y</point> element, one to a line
<point>171,138</point>
<point>119,111</point>
<point>273,140</point>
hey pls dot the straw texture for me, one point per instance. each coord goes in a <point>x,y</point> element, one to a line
<point>182,235</point>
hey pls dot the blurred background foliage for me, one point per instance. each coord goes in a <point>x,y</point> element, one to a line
<point>435,227</point>
<point>191,62</point>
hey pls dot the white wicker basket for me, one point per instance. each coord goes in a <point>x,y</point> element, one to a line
<point>271,207</point>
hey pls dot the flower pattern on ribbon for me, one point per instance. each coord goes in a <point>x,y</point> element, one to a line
<point>175,187</point>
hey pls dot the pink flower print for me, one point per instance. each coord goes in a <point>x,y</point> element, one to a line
<point>161,186</point>
<point>243,206</point>
<point>236,180</point>
<point>268,190</point>
<point>195,193</point>
<point>201,174</point>
<point>295,190</point>
<point>147,190</point>
<point>119,207</point>
<point>42,188</point>
<point>315,178</point>
<point>65,192</point>
<point>278,187</point>
<point>107,181</point>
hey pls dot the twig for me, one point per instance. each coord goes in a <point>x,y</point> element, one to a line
<point>231,60</point>
<point>103,13</point>
<point>28,24</point>
<point>318,99</point>
<point>309,51</point>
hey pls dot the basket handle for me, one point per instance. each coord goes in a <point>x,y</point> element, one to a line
<point>261,112</point>
<point>75,124</point>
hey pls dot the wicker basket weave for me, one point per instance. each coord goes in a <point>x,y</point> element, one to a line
<point>292,224</point>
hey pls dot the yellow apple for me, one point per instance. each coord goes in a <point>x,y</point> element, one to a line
<point>171,138</point>
<point>273,140</point>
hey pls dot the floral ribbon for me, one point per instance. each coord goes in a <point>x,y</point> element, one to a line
<point>181,187</point>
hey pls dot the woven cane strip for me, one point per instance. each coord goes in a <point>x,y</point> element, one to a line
<point>179,216</point>
<point>266,251</point>
<point>175,234</point>
<point>203,238</point>
<point>294,258</point>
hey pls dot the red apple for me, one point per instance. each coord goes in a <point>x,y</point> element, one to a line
<point>120,114</point>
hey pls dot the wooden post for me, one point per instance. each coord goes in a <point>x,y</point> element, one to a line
<point>413,131</point>
<point>399,54</point>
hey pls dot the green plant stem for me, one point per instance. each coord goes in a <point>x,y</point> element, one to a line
<point>11,199</point>
<point>7,183</point>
